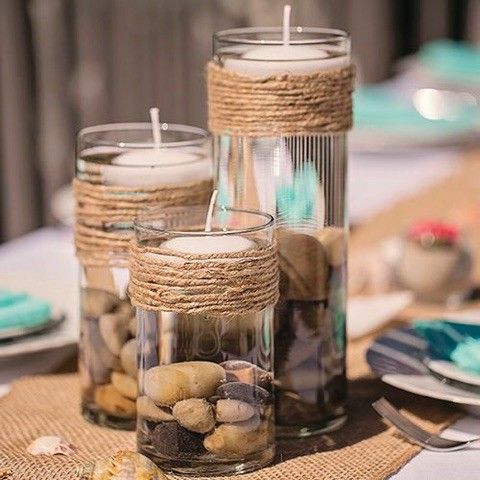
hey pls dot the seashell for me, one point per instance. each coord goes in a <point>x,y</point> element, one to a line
<point>51,445</point>
<point>123,465</point>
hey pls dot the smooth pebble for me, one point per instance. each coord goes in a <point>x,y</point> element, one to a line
<point>97,358</point>
<point>97,302</point>
<point>114,331</point>
<point>171,439</point>
<point>125,310</point>
<point>147,409</point>
<point>246,372</point>
<point>128,357</point>
<point>132,326</point>
<point>168,384</point>
<point>243,391</point>
<point>235,440</point>
<point>195,414</point>
<point>109,399</point>
<point>125,384</point>
<point>233,411</point>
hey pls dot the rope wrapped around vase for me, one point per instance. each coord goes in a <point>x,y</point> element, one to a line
<point>282,105</point>
<point>104,215</point>
<point>217,284</point>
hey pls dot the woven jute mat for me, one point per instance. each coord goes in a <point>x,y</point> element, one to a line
<point>365,449</point>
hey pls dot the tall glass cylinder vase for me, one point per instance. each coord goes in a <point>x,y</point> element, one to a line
<point>119,170</point>
<point>282,149</point>
<point>205,313</point>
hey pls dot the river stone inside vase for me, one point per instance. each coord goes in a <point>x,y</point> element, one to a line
<point>310,331</point>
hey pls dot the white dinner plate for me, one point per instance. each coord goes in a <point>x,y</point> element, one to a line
<point>400,358</point>
<point>17,333</point>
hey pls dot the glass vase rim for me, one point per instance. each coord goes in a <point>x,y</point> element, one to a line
<point>139,223</point>
<point>202,134</point>
<point>330,35</point>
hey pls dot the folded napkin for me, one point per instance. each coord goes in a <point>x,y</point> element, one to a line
<point>452,60</point>
<point>452,341</point>
<point>21,310</point>
<point>9,298</point>
<point>379,108</point>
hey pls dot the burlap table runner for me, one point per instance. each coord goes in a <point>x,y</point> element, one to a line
<point>365,449</point>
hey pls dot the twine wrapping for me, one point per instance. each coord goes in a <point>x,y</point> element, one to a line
<point>227,284</point>
<point>283,105</point>
<point>98,206</point>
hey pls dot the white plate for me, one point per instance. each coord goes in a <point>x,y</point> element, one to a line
<point>400,358</point>
<point>17,333</point>
<point>428,386</point>
<point>450,371</point>
<point>43,264</point>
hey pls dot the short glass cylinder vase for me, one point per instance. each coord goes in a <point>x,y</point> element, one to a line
<point>205,317</point>
<point>118,171</point>
<point>300,179</point>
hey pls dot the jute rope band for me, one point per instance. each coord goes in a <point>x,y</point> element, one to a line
<point>227,284</point>
<point>282,105</point>
<point>100,206</point>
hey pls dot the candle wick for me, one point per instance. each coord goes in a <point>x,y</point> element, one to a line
<point>211,206</point>
<point>156,130</point>
<point>287,9</point>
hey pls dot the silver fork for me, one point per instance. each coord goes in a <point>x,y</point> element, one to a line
<point>418,435</point>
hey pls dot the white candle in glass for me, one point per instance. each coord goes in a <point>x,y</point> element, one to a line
<point>158,166</point>
<point>287,58</point>
<point>205,244</point>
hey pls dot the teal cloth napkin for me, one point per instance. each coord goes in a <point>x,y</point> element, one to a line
<point>375,107</point>
<point>452,341</point>
<point>22,310</point>
<point>452,60</point>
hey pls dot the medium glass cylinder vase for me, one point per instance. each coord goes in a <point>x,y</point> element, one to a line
<point>300,179</point>
<point>205,404</point>
<point>119,170</point>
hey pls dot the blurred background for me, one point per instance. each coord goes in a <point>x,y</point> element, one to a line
<point>66,64</point>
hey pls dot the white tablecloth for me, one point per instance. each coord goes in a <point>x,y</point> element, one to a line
<point>377,181</point>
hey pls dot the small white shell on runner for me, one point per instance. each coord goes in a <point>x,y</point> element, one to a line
<point>51,445</point>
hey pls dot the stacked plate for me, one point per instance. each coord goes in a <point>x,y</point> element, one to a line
<point>402,359</point>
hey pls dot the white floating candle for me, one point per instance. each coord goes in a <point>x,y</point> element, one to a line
<point>206,244</point>
<point>209,244</point>
<point>156,167</point>
<point>159,166</point>
<point>286,58</point>
<point>202,245</point>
